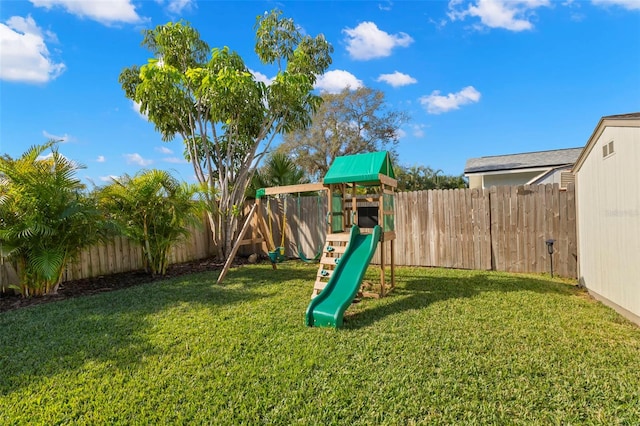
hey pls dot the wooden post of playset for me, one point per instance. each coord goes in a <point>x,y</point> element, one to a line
<point>382,243</point>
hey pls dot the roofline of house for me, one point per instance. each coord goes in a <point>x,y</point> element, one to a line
<point>548,173</point>
<point>516,169</point>
<point>526,153</point>
<point>623,120</point>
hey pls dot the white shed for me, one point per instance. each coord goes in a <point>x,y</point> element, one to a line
<point>607,176</point>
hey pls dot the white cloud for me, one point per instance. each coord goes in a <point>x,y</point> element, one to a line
<point>386,6</point>
<point>627,4</point>
<point>417,130</point>
<point>177,6</point>
<point>400,133</point>
<point>174,160</point>
<point>397,79</point>
<point>62,139</point>
<point>439,24</point>
<point>50,155</point>
<point>366,41</point>
<point>261,77</point>
<point>437,104</point>
<point>24,54</point>
<point>105,12</point>
<point>512,15</point>
<point>109,178</point>
<point>164,150</point>
<point>44,157</point>
<point>137,159</point>
<point>336,81</point>
<point>136,107</point>
<point>101,159</point>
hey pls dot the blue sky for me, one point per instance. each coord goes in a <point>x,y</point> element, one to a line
<point>479,77</point>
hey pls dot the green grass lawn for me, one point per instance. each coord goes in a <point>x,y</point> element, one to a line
<point>446,346</point>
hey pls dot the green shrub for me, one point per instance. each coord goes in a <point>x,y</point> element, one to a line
<point>45,218</point>
<point>153,209</point>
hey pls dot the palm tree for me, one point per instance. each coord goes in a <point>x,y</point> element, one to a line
<point>45,218</point>
<point>279,170</point>
<point>153,209</point>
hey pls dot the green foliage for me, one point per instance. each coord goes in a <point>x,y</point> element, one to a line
<point>350,122</point>
<point>446,347</point>
<point>418,178</point>
<point>223,114</point>
<point>279,170</point>
<point>45,219</point>
<point>153,209</point>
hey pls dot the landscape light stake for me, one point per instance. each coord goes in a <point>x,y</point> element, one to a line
<point>550,251</point>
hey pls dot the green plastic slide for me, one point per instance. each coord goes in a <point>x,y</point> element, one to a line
<point>327,308</point>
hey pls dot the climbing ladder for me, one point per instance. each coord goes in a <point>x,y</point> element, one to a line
<point>334,247</point>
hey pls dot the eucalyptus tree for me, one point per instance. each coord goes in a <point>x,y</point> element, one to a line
<point>349,122</point>
<point>46,219</point>
<point>153,209</point>
<point>226,117</point>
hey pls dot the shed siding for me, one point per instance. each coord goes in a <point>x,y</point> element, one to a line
<point>608,196</point>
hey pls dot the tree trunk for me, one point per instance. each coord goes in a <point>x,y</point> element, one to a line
<point>213,226</point>
<point>229,234</point>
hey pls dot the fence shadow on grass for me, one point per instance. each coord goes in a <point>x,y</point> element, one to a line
<point>414,292</point>
<point>111,327</point>
<point>263,274</point>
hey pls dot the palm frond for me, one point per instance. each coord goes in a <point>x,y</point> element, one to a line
<point>47,262</point>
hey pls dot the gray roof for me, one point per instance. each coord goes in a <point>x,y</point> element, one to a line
<point>554,158</point>
<point>629,116</point>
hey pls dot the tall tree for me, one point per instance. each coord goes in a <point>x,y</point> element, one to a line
<point>350,122</point>
<point>226,117</point>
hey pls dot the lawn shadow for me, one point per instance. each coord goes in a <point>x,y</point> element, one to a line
<point>45,340</point>
<point>251,276</point>
<point>417,292</point>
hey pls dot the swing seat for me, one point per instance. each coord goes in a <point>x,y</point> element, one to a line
<point>277,255</point>
<point>305,259</point>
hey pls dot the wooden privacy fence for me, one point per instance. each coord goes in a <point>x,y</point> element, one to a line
<point>122,255</point>
<point>306,224</point>
<point>502,228</point>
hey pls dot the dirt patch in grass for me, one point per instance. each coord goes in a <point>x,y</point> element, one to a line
<point>89,286</point>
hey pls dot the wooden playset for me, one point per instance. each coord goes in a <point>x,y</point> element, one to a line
<point>360,192</point>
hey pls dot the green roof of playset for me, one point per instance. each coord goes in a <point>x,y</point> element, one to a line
<point>360,168</point>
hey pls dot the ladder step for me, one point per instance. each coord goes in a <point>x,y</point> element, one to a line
<point>319,285</point>
<point>343,237</point>
<point>327,275</point>
<point>338,243</point>
<point>329,261</point>
<point>336,249</point>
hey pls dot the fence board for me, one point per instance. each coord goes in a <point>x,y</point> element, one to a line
<point>572,235</point>
<point>468,220</point>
